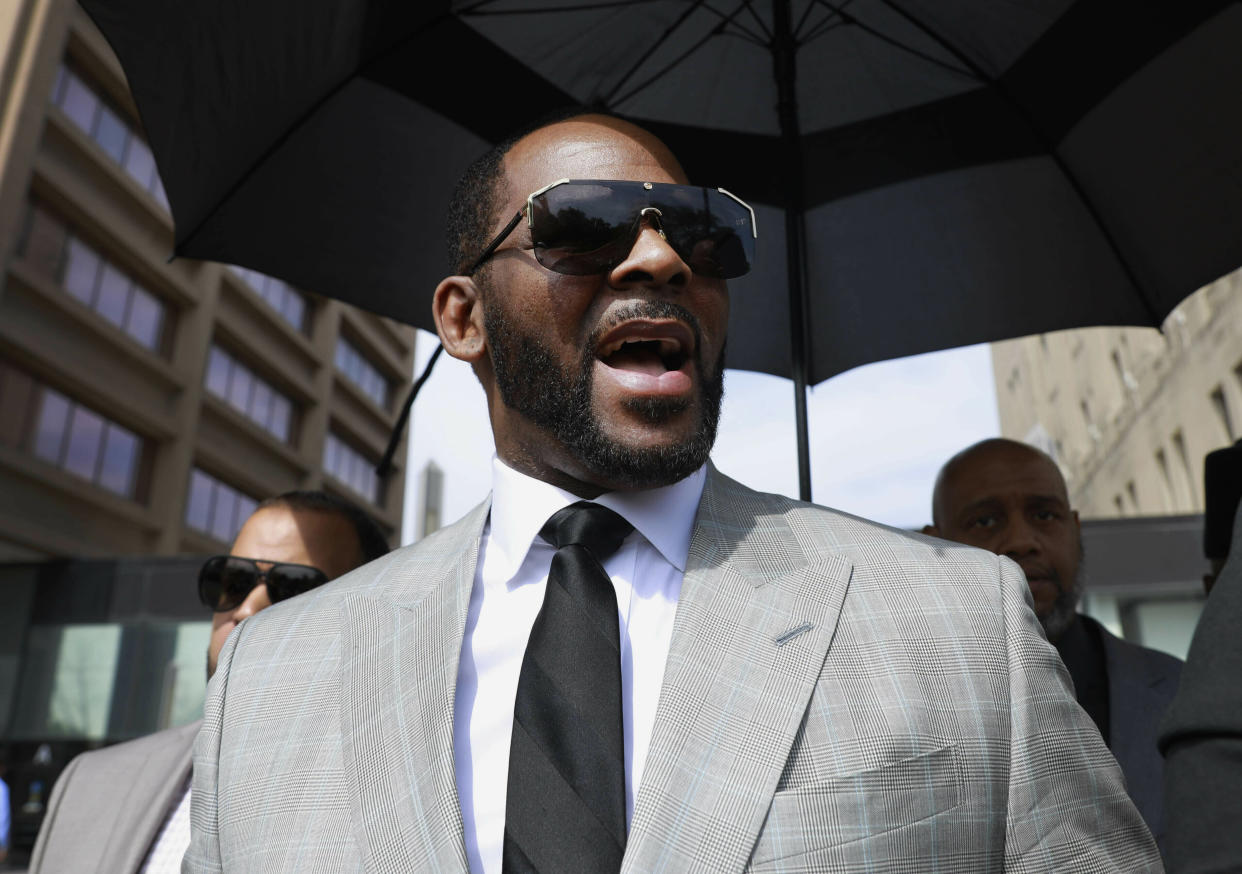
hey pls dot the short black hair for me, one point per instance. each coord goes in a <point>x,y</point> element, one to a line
<point>477,197</point>
<point>371,540</point>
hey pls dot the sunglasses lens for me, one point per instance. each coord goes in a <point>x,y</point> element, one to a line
<point>286,580</point>
<point>711,231</point>
<point>581,229</point>
<point>225,581</point>
<point>587,228</point>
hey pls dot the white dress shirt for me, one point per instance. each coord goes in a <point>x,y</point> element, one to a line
<point>173,840</point>
<point>508,592</point>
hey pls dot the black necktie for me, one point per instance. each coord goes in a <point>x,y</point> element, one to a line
<point>565,806</point>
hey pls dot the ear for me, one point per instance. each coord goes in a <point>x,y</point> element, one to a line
<point>458,312</point>
<point>1077,524</point>
<point>932,530</point>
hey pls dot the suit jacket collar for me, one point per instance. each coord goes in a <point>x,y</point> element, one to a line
<point>754,622</point>
<point>161,767</point>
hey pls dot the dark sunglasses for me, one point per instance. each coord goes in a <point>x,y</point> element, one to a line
<point>225,580</point>
<point>583,227</point>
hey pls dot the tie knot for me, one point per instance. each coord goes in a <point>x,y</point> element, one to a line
<point>587,524</point>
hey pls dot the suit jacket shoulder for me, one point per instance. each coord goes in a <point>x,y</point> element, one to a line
<point>108,805</point>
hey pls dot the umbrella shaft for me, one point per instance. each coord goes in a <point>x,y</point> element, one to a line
<point>784,59</point>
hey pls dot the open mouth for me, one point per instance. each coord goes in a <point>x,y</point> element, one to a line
<point>648,356</point>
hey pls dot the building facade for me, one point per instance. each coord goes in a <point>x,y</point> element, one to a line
<point>1129,413</point>
<point>146,406</point>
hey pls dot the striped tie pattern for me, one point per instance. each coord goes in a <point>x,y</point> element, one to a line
<point>565,806</point>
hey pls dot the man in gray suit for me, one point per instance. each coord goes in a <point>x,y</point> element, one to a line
<point>125,808</point>
<point>789,688</point>
<point>1011,499</point>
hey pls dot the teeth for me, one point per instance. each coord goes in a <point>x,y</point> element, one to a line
<point>668,346</point>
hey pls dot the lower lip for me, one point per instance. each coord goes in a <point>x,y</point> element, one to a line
<point>671,383</point>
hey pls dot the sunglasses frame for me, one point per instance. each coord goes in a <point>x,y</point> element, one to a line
<point>261,576</point>
<point>529,211</point>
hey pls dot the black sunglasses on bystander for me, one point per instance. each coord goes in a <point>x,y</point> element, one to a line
<point>224,581</point>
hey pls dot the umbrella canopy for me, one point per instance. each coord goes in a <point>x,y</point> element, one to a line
<point>926,173</point>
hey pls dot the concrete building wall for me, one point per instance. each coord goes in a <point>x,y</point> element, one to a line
<point>1130,413</point>
<point>76,195</point>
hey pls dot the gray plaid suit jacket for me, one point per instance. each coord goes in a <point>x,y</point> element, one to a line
<point>839,696</point>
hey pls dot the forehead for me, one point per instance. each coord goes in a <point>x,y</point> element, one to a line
<point>280,534</point>
<point>1004,474</point>
<point>587,148</point>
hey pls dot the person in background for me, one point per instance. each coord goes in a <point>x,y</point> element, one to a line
<point>125,809</point>
<point>1010,498</point>
<point>1201,736</point>
<point>624,656</point>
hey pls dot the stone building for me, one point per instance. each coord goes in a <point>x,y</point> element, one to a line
<point>1129,413</point>
<point>146,406</point>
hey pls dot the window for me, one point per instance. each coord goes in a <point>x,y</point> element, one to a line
<point>1179,445</point>
<point>281,296</point>
<point>1222,411</point>
<point>68,435</point>
<point>109,129</point>
<point>235,384</point>
<point>216,509</point>
<point>361,372</point>
<point>55,250</point>
<point>351,467</point>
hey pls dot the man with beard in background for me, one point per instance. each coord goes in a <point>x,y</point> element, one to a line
<point>1010,498</point>
<point>622,655</point>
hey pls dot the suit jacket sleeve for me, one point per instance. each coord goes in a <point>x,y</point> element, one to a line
<point>51,818</point>
<point>1068,809</point>
<point>1201,736</point>
<point>204,852</point>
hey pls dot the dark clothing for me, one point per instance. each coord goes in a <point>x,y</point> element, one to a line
<point>1201,738</point>
<point>1082,649</point>
<point>1125,689</point>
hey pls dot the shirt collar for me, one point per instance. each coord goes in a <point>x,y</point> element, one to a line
<point>521,504</point>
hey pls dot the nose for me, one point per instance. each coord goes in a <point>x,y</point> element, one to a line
<point>651,262</point>
<point>1019,540</point>
<point>255,601</point>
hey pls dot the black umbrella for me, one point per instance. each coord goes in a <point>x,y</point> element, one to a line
<point>927,173</point>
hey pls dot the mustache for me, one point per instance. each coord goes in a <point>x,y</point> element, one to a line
<point>646,309</point>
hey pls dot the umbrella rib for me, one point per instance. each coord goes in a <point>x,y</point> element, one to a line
<point>611,97</point>
<point>833,16</point>
<point>845,16</point>
<point>1049,148</point>
<point>767,34</point>
<point>478,11</point>
<point>669,66</point>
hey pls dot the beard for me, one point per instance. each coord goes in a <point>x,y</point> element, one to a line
<point>1064,611</point>
<point>534,384</point>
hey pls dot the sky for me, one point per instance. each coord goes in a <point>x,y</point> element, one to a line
<point>878,433</point>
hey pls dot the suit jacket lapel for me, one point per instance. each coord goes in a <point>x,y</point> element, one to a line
<point>401,642</point>
<point>753,626</point>
<point>162,775</point>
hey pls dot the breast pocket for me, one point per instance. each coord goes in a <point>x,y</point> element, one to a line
<point>842,810</point>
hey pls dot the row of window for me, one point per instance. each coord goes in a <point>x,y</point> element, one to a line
<point>280,295</point>
<point>73,437</point>
<point>91,113</point>
<point>362,373</point>
<point>216,508</point>
<point>69,435</point>
<point>255,398</point>
<point>351,467</point>
<point>51,247</point>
